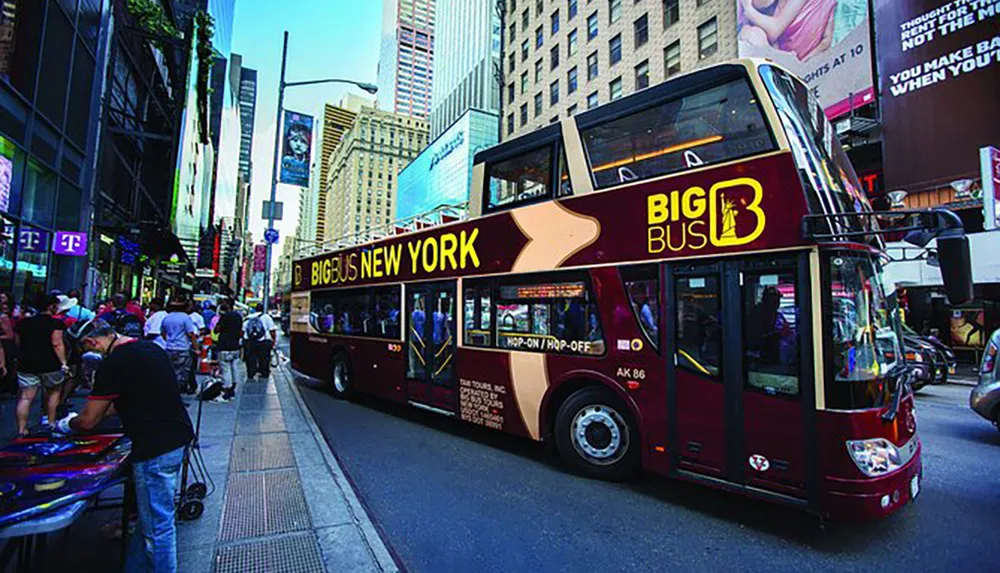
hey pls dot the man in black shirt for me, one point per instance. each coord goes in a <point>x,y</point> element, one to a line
<point>136,380</point>
<point>229,329</point>
<point>43,361</point>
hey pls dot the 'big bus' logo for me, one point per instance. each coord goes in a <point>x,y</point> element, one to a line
<point>693,219</point>
<point>298,274</point>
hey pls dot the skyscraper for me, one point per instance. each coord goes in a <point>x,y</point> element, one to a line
<point>248,106</point>
<point>467,54</point>
<point>406,60</point>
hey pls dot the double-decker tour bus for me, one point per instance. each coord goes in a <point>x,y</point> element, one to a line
<point>686,280</point>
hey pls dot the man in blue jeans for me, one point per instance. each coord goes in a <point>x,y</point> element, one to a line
<point>136,380</point>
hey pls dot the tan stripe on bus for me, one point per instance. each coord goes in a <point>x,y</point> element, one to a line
<point>529,380</point>
<point>554,235</point>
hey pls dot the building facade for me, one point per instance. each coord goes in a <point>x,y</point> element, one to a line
<point>442,173</point>
<point>406,57</point>
<point>565,56</point>
<point>52,65</point>
<point>337,119</point>
<point>361,185</point>
<point>248,107</point>
<point>467,58</point>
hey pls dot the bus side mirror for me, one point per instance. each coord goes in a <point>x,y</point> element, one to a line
<point>956,267</point>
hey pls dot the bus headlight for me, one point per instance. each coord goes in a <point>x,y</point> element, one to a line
<point>874,457</point>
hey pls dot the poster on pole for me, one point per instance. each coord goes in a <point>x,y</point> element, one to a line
<point>296,148</point>
<point>259,258</point>
<point>940,67</point>
<point>824,42</point>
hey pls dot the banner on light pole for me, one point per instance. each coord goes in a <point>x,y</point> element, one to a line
<point>989,164</point>
<point>296,149</point>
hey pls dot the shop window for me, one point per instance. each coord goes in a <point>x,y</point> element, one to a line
<point>11,174</point>
<point>68,207</point>
<point>39,194</point>
<point>642,283</point>
<point>89,23</point>
<point>32,268</point>
<point>23,62</point>
<point>56,53</point>
<point>82,81</point>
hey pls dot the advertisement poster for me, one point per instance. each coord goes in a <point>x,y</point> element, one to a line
<point>295,149</point>
<point>968,328</point>
<point>6,174</point>
<point>939,64</point>
<point>989,161</point>
<point>824,42</point>
<point>259,258</point>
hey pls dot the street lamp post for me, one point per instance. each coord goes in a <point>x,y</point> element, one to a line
<point>282,84</point>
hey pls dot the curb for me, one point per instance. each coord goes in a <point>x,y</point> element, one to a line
<point>376,546</point>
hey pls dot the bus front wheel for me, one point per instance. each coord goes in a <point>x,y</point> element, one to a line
<point>340,376</point>
<point>596,436</point>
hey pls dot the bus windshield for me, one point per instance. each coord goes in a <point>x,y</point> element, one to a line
<point>829,180</point>
<point>864,329</point>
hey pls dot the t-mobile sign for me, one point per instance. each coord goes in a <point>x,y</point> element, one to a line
<point>71,244</point>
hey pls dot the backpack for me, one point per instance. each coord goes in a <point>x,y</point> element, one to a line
<point>126,323</point>
<point>255,328</point>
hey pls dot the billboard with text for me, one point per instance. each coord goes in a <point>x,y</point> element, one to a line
<point>940,67</point>
<point>825,42</point>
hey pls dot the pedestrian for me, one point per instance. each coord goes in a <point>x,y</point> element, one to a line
<point>8,382</point>
<point>134,307</point>
<point>77,312</point>
<point>42,361</point>
<point>151,330</point>
<point>229,329</point>
<point>197,318</point>
<point>179,337</point>
<point>208,312</point>
<point>260,334</point>
<point>126,322</point>
<point>136,378</point>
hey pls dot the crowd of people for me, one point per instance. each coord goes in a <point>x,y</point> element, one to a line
<point>137,360</point>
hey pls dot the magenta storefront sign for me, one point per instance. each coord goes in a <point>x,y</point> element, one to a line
<point>71,244</point>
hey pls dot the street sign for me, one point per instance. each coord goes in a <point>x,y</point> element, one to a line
<point>271,236</point>
<point>266,208</point>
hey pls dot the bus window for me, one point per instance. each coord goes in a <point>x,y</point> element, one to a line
<point>417,367</point>
<point>477,317</point>
<point>386,312</point>
<point>521,179</point>
<point>715,125</point>
<point>559,317</point>
<point>565,188</point>
<point>699,333</point>
<point>770,332</point>
<point>642,283</point>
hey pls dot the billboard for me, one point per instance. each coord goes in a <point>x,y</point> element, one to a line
<point>259,258</point>
<point>824,42</point>
<point>940,69</point>
<point>296,147</point>
<point>967,327</point>
<point>989,159</point>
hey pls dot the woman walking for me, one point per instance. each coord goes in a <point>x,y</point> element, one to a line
<point>8,382</point>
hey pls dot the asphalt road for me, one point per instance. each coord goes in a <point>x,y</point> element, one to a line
<point>452,497</point>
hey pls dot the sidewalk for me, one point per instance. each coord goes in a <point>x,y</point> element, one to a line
<point>281,502</point>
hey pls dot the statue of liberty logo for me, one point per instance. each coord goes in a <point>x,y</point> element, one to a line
<point>729,212</point>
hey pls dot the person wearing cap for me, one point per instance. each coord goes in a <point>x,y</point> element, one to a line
<point>42,361</point>
<point>135,380</point>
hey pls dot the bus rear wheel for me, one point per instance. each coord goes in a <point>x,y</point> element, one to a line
<point>596,436</point>
<point>340,377</point>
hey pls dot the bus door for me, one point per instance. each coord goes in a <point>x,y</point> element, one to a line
<point>430,343</point>
<point>740,384</point>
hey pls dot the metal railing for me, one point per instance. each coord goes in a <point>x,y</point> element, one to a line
<point>440,215</point>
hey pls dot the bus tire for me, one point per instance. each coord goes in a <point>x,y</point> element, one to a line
<point>596,436</point>
<point>341,381</point>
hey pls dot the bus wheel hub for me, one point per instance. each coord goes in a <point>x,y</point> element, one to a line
<point>599,434</point>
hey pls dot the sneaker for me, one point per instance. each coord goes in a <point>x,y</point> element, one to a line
<point>228,394</point>
<point>220,399</point>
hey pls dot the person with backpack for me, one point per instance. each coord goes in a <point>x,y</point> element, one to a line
<point>125,321</point>
<point>180,338</point>
<point>260,334</point>
<point>229,329</point>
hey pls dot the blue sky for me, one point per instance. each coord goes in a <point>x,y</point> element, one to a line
<point>327,39</point>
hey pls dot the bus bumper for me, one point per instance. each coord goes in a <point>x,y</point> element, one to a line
<point>870,499</point>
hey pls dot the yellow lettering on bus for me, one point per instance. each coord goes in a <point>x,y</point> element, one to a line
<point>326,272</point>
<point>429,260</point>
<point>316,270</point>
<point>376,269</point>
<point>414,248</point>
<point>366,264</point>
<point>449,244</point>
<point>656,206</point>
<point>723,229</point>
<point>467,248</point>
<point>675,200</point>
<point>695,234</point>
<point>693,203</point>
<point>392,257</point>
<point>656,244</point>
<point>352,268</point>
